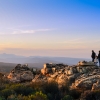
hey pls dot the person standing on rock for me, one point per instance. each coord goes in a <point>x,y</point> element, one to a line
<point>93,55</point>
<point>99,58</point>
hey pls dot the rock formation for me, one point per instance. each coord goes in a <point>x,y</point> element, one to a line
<point>83,75</point>
<point>20,74</point>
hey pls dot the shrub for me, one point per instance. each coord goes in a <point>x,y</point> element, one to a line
<point>50,97</point>
<point>67,97</point>
<point>3,80</point>
<point>75,93</point>
<point>51,87</point>
<point>2,98</point>
<point>91,95</point>
<point>38,86</point>
<point>21,89</point>
<point>12,97</point>
<point>19,97</point>
<point>38,96</point>
<point>65,88</point>
<point>6,92</point>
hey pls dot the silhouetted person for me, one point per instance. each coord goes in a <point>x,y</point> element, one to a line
<point>99,58</point>
<point>93,55</point>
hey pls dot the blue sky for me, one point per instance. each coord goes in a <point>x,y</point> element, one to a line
<point>68,28</point>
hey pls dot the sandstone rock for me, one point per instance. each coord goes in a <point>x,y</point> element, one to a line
<point>70,72</point>
<point>86,82</point>
<point>96,85</point>
<point>11,75</point>
<point>54,75</point>
<point>47,65</point>
<point>39,79</point>
<point>75,70</point>
<point>53,70</point>
<point>26,76</point>
<point>51,79</point>
<point>84,70</point>
<point>80,76</point>
<point>48,70</point>
<point>20,74</point>
<point>83,63</point>
<point>43,71</point>
<point>62,80</point>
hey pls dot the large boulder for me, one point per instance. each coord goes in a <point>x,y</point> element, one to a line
<point>87,82</point>
<point>26,76</point>
<point>20,74</point>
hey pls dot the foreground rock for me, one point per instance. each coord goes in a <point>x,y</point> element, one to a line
<point>20,74</point>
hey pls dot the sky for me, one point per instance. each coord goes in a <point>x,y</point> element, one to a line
<point>65,28</point>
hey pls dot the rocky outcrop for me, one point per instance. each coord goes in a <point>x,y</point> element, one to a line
<point>83,75</point>
<point>52,68</point>
<point>20,74</point>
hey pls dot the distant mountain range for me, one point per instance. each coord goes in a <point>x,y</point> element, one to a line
<point>38,61</point>
<point>11,58</point>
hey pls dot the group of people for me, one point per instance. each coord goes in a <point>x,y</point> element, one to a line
<point>95,58</point>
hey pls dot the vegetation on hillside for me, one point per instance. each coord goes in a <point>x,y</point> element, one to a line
<point>39,91</point>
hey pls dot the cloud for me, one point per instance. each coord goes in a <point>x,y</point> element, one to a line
<point>29,31</point>
<point>12,31</point>
<point>43,30</point>
<point>23,32</point>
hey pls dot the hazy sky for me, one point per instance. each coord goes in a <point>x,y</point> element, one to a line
<point>68,28</point>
